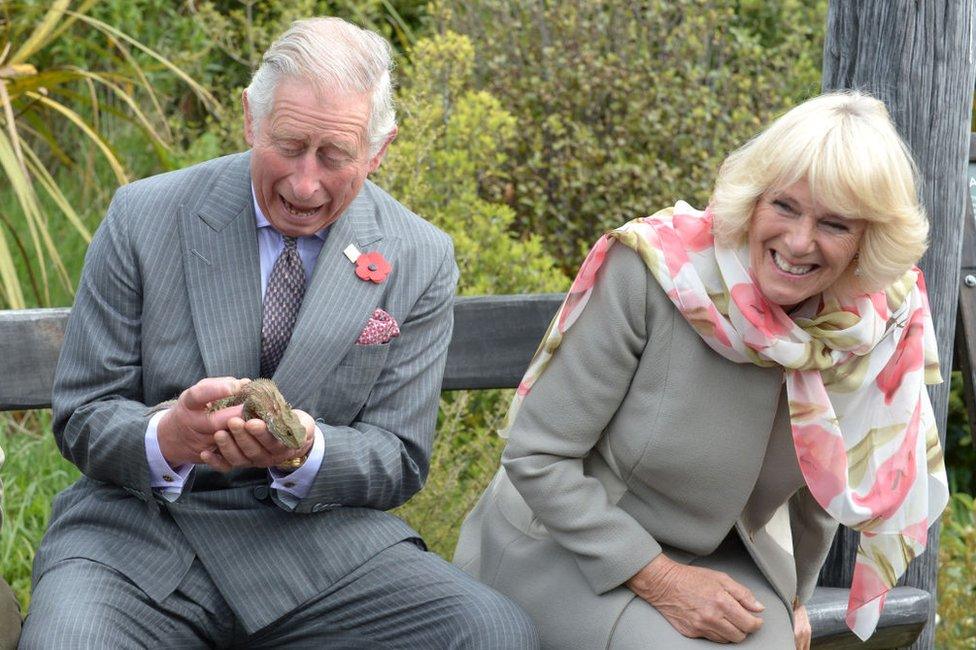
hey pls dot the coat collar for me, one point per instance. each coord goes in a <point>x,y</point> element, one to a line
<point>221,265</point>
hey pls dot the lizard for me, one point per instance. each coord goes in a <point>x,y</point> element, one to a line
<point>262,400</point>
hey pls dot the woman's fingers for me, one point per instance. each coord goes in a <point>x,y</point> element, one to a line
<point>699,602</point>
<point>740,618</point>
<point>801,628</point>
<point>743,595</point>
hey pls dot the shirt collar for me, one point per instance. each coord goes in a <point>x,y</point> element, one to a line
<point>262,221</point>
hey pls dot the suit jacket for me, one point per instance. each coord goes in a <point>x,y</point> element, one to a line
<point>170,293</point>
<point>639,437</point>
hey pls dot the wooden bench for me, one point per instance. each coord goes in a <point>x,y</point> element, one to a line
<point>494,338</point>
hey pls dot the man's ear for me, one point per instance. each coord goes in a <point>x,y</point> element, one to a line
<point>248,122</point>
<point>374,162</point>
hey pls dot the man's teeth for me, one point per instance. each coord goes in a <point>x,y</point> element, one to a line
<point>783,265</point>
<point>295,211</point>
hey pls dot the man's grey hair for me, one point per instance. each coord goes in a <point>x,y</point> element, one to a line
<point>335,56</point>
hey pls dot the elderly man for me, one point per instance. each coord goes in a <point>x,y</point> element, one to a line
<point>197,528</point>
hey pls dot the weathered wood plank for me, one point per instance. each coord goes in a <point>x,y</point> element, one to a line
<point>29,345</point>
<point>482,353</point>
<point>917,57</point>
<point>905,614</point>
<point>495,337</point>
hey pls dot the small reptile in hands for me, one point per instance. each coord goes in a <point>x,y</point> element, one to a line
<point>262,400</point>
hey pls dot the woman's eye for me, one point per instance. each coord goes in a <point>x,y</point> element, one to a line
<point>837,226</point>
<point>783,206</point>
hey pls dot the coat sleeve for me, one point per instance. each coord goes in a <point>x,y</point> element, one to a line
<point>813,532</point>
<point>99,420</point>
<point>381,458</point>
<point>563,418</point>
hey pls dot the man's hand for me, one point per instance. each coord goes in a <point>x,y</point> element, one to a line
<point>250,444</point>
<point>801,628</point>
<point>187,429</point>
<point>698,602</point>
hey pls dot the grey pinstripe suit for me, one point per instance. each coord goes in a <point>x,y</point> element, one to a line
<point>170,294</point>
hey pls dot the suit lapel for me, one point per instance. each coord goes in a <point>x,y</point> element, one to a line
<point>337,303</point>
<point>222,269</point>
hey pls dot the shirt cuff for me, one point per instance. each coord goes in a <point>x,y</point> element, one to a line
<point>294,486</point>
<point>165,481</point>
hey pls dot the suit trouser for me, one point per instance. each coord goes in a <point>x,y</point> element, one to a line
<point>9,617</point>
<point>401,598</point>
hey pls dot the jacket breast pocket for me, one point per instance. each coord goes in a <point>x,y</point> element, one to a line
<point>351,382</point>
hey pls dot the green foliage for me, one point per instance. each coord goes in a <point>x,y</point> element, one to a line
<point>957,575</point>
<point>960,452</point>
<point>54,113</point>
<point>452,138</point>
<point>33,474</point>
<point>622,108</point>
<point>466,456</point>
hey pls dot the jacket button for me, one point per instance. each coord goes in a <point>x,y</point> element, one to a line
<point>260,492</point>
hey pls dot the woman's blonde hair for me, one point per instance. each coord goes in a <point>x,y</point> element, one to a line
<point>857,166</point>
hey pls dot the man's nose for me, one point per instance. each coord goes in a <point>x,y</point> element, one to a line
<point>305,180</point>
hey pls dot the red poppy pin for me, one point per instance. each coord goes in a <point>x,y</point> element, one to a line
<point>372,266</point>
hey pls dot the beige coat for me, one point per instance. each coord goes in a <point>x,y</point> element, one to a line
<point>639,438</point>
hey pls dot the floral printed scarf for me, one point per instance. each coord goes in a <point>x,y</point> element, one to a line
<point>855,372</point>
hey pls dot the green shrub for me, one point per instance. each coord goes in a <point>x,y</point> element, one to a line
<point>957,575</point>
<point>959,449</point>
<point>451,139</point>
<point>624,108</point>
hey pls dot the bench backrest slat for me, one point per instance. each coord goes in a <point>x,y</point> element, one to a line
<point>29,345</point>
<point>494,338</point>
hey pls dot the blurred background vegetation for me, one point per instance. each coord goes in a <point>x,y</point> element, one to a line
<point>527,128</point>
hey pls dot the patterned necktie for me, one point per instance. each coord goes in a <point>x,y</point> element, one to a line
<point>282,299</point>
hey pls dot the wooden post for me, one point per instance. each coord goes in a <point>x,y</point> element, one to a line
<point>917,57</point>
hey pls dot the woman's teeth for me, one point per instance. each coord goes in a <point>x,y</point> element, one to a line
<point>294,210</point>
<point>785,266</point>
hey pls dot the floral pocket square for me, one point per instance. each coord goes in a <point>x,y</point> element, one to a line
<point>380,328</point>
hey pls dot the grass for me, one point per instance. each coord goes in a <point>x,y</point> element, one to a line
<point>464,460</point>
<point>32,475</point>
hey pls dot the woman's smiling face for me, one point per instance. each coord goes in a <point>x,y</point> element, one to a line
<point>797,248</point>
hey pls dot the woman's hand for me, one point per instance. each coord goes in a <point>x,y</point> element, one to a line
<point>698,602</point>
<point>801,628</point>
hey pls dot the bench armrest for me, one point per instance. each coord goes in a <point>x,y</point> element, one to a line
<point>905,614</point>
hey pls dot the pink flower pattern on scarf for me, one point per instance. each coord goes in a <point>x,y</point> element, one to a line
<point>893,494</point>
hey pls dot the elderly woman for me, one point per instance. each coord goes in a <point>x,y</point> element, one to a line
<point>717,391</point>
